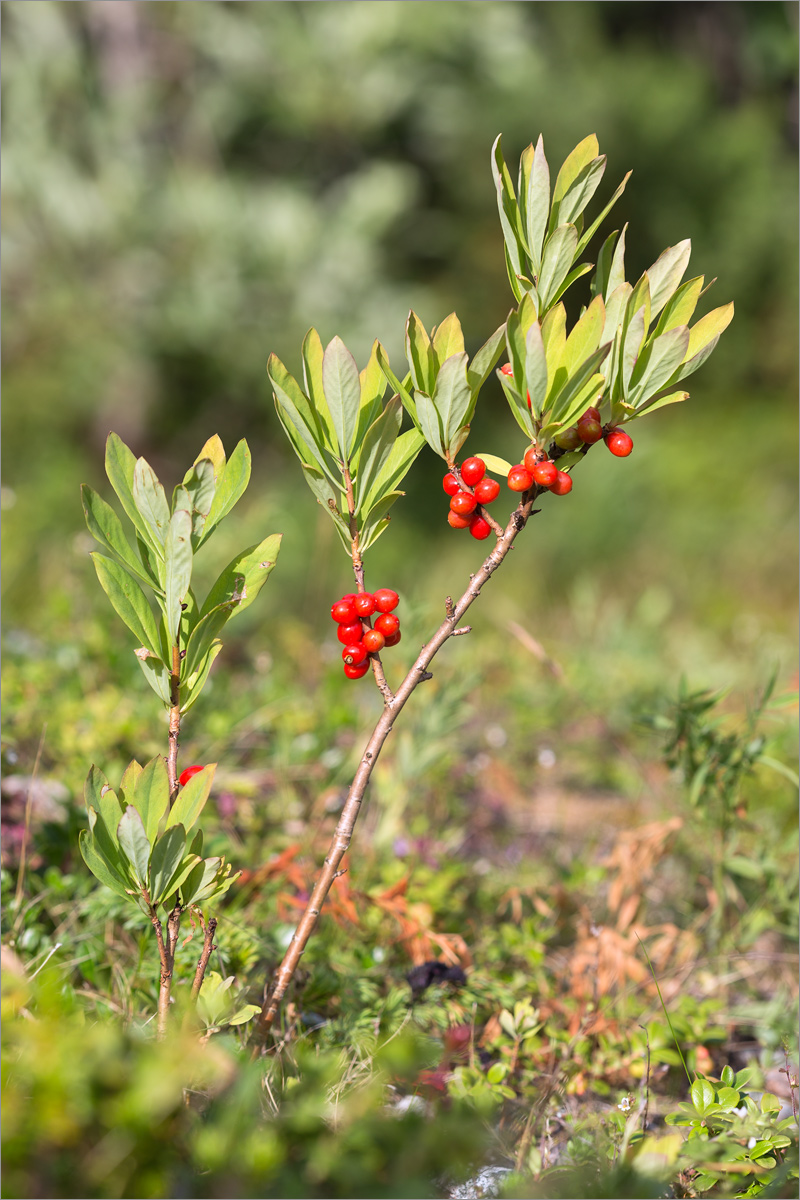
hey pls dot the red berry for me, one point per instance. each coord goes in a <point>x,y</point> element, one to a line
<point>528,396</point>
<point>349,633</point>
<point>374,640</point>
<point>480,528</point>
<point>562,485</point>
<point>507,369</point>
<point>463,503</point>
<point>519,479</point>
<point>486,491</point>
<point>344,611</point>
<point>386,600</point>
<point>592,412</point>
<point>457,522</point>
<point>589,428</point>
<point>569,439</point>
<point>451,484</point>
<point>393,639</point>
<point>354,653</point>
<point>545,473</point>
<point>387,624</point>
<point>356,672</point>
<point>473,471</point>
<point>365,604</point>
<point>619,442</point>
<point>186,775</point>
<point>531,458</point>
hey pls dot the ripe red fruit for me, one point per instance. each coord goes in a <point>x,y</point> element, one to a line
<point>545,473</point>
<point>365,604</point>
<point>344,611</point>
<point>349,633</point>
<point>458,522</point>
<point>569,439</point>
<point>519,479</point>
<point>393,639</point>
<point>592,412</point>
<point>589,428</point>
<point>473,470</point>
<point>463,503</point>
<point>451,484</point>
<point>356,672</point>
<point>386,600</point>
<point>528,395</point>
<point>486,491</point>
<point>480,528</point>
<point>506,369</point>
<point>562,485</point>
<point>387,624</point>
<point>531,458</point>
<point>374,640</point>
<point>186,775</point>
<point>619,442</point>
<point>354,654</point>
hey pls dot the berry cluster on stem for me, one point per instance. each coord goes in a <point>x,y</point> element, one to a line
<point>363,641</point>
<point>470,492</point>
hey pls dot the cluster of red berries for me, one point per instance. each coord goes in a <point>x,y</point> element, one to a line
<point>589,429</point>
<point>360,639</point>
<point>537,468</point>
<point>464,500</point>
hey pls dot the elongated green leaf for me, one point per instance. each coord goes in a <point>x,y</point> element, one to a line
<point>376,522</point>
<point>554,339</point>
<point>230,487</point>
<point>575,273</point>
<point>452,396</point>
<point>480,368</point>
<point>603,268</point>
<point>707,329</point>
<point>214,451</point>
<point>666,273</point>
<point>657,364</point>
<point>310,453</point>
<point>378,442</point>
<point>403,453</point>
<point>167,855</point>
<point>429,423</point>
<point>200,484</point>
<point>253,566</point>
<point>128,600</point>
<point>680,307</point>
<point>573,164</point>
<point>331,499</point>
<point>157,675</point>
<point>120,468</point>
<point>151,502</point>
<point>177,563</point>
<point>99,865</point>
<point>448,339</point>
<point>94,787</point>
<point>570,408</point>
<point>592,229</point>
<point>106,527</point>
<point>127,786</point>
<point>661,401</point>
<point>419,354</point>
<point>631,346</point>
<point>506,206</point>
<point>313,354</point>
<point>151,798</point>
<point>343,392</point>
<point>519,408</point>
<point>616,275</point>
<point>406,399</point>
<point>560,404</point>
<point>537,207</point>
<point>110,813</point>
<point>688,368</point>
<point>194,683</point>
<point>559,254</point>
<point>535,369</point>
<point>199,881</point>
<point>581,190</point>
<point>133,841</point>
<point>372,381</point>
<point>192,798</point>
<point>498,466</point>
<point>585,336</point>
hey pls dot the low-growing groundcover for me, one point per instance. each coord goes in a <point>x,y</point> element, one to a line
<point>613,1011</point>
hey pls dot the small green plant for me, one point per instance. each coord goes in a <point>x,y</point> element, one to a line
<point>141,841</point>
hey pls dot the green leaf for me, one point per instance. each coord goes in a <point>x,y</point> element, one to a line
<point>452,396</point>
<point>498,466</point>
<point>177,563</point>
<point>127,786</point>
<point>448,340</point>
<point>708,329</point>
<point>198,882</point>
<point>151,798</point>
<point>192,798</point>
<point>343,393</point>
<point>402,455</point>
<point>157,675</point>
<point>419,354</point>
<point>245,575</point>
<point>631,345</point>
<point>535,369</point>
<point>507,208</point>
<point>519,407</point>
<point>657,363</point>
<point>589,233</point>
<point>167,855</point>
<point>230,487</point>
<point>573,164</point>
<point>580,191</point>
<point>680,307</point>
<point>200,484</point>
<point>561,406</point>
<point>397,387</point>
<point>129,601</point>
<point>94,787</point>
<point>537,206</point>
<point>559,254</point>
<point>214,451</point>
<point>330,499</point>
<point>480,368</point>
<point>244,1014</point>
<point>312,375</point>
<point>372,381</point>
<point>429,423</point>
<point>666,273</point>
<point>376,449</point>
<point>194,683</point>
<point>702,1094</point>
<point>572,403</point>
<point>616,275</point>
<point>151,502</point>
<point>603,268</point>
<point>106,527</point>
<point>585,336</point>
<point>120,468</point>
<point>661,402</point>
<point>133,841</point>
<point>376,521</point>
<point>99,865</point>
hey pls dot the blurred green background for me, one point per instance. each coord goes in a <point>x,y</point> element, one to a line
<point>188,186</point>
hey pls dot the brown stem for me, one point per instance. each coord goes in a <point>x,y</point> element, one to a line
<point>165,986</point>
<point>202,962</point>
<point>347,820</point>
<point>174,723</point>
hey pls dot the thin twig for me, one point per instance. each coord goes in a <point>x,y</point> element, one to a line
<point>349,815</point>
<point>23,853</point>
<point>202,962</point>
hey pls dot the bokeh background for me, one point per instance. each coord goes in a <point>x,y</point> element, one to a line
<point>189,186</point>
